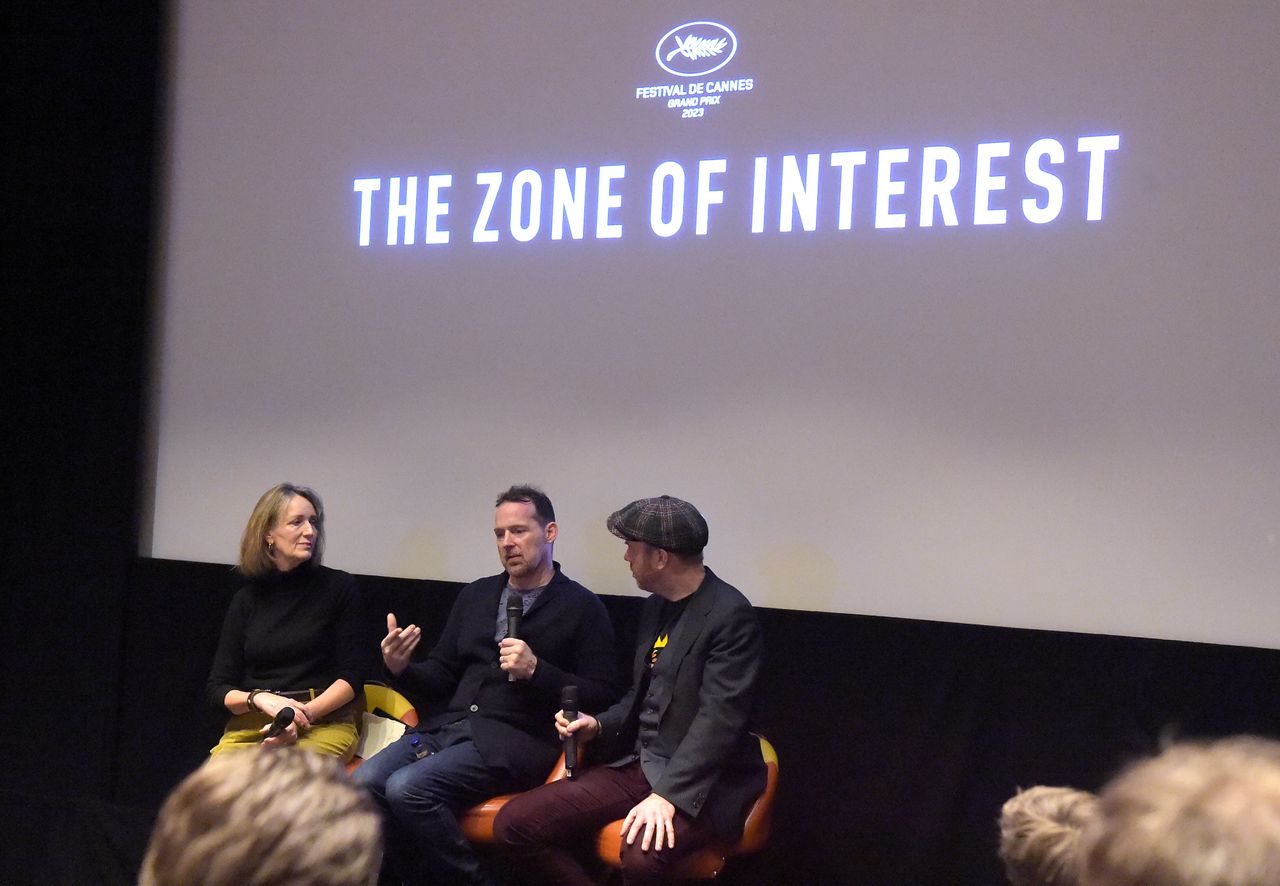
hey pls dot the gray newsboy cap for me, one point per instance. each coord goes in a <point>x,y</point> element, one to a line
<point>664,522</point>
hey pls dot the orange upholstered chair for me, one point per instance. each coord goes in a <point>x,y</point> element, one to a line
<point>379,697</point>
<point>477,822</point>
<point>707,862</point>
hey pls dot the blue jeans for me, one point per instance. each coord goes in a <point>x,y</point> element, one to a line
<point>419,799</point>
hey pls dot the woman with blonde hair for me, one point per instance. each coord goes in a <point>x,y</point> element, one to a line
<point>291,637</point>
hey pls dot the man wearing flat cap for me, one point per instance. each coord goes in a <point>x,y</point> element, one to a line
<point>680,767</point>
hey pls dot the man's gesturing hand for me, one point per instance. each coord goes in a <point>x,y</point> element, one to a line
<point>398,644</point>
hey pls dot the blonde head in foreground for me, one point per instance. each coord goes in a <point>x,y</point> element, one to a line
<point>1195,815</point>
<point>266,817</point>
<point>1040,831</point>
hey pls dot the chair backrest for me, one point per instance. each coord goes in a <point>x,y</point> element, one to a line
<point>755,833</point>
<point>377,695</point>
<point>386,699</point>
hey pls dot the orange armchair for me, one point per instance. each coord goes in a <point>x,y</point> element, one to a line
<point>378,696</point>
<point>707,862</point>
<point>477,822</point>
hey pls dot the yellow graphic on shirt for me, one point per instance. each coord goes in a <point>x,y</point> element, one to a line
<point>658,645</point>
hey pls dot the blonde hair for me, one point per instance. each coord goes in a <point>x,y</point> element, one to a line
<point>265,817</point>
<point>255,555</point>
<point>1040,830</point>
<point>1195,815</point>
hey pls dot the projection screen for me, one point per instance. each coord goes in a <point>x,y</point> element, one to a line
<point>959,311</point>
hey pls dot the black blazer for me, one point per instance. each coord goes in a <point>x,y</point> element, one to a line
<point>702,760</point>
<point>513,723</point>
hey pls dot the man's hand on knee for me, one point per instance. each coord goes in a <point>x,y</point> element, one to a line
<point>653,819</point>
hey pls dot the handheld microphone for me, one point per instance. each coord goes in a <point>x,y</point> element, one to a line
<point>515,612</point>
<point>281,722</point>
<point>569,701</point>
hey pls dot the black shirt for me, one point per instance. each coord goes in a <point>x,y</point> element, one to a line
<point>288,631</point>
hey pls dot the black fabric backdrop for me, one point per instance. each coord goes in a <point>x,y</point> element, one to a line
<point>898,739</point>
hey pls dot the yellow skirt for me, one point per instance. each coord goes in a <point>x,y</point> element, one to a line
<point>334,738</point>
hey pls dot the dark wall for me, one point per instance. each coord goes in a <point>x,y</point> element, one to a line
<point>79,131</point>
<point>898,740</point>
<point>80,102</point>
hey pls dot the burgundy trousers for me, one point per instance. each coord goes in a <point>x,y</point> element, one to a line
<point>551,829</point>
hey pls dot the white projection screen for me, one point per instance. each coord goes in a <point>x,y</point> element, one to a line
<point>963,311</point>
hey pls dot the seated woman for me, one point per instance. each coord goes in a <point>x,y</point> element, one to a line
<point>291,636</point>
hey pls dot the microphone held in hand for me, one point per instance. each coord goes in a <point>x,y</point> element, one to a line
<point>281,722</point>
<point>515,611</point>
<point>569,702</point>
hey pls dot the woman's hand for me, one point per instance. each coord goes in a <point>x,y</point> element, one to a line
<point>288,736</point>
<point>271,705</point>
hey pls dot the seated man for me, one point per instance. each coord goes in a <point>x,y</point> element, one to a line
<point>496,734</point>
<point>682,767</point>
<point>287,816</point>
<point>1196,814</point>
<point>1040,831</point>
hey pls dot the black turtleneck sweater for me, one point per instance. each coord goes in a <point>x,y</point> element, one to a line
<point>288,631</point>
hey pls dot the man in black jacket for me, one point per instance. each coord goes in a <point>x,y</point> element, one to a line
<point>496,734</point>
<point>682,767</point>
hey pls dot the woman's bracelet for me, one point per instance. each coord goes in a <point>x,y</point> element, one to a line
<point>249,701</point>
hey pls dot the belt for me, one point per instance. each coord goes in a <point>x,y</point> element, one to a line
<point>296,694</point>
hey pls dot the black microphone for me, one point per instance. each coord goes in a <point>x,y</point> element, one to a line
<point>569,701</point>
<point>515,612</point>
<point>281,722</point>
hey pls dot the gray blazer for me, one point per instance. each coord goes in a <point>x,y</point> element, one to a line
<point>702,760</point>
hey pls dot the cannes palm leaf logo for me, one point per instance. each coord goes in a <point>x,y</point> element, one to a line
<point>698,47</point>
<point>701,47</point>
